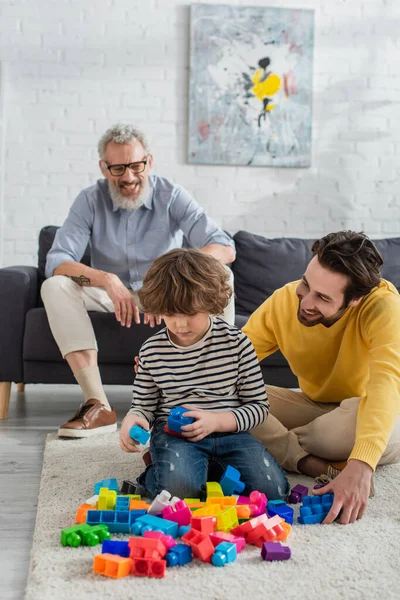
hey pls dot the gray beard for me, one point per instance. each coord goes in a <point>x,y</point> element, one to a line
<point>126,203</point>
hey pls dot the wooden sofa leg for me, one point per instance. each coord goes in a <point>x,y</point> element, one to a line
<point>20,387</point>
<point>5,392</point>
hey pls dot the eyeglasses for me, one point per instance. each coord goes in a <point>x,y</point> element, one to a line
<point>135,167</point>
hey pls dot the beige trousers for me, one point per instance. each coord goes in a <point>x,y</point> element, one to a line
<point>298,426</point>
<point>67,305</point>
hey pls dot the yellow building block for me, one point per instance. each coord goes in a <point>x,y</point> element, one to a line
<point>227,519</point>
<point>207,511</point>
<point>214,490</point>
<point>107,499</point>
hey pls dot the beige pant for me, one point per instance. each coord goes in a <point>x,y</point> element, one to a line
<point>67,305</point>
<point>298,426</point>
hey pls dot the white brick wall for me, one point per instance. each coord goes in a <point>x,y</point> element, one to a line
<point>73,68</point>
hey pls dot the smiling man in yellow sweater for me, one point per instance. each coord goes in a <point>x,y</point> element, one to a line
<point>339,329</point>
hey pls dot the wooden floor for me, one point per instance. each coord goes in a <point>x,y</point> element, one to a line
<point>33,414</point>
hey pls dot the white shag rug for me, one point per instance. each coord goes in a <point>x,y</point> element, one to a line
<point>352,562</point>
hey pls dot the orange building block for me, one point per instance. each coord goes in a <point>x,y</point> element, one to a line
<point>80,516</point>
<point>112,565</point>
<point>243,511</point>
<point>287,528</point>
<point>138,505</point>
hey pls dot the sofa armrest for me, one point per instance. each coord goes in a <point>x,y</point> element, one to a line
<point>19,288</point>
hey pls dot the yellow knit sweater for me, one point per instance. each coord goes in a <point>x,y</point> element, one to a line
<point>357,356</point>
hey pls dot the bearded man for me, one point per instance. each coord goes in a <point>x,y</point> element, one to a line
<point>129,219</point>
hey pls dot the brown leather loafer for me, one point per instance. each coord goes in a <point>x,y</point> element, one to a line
<point>90,419</point>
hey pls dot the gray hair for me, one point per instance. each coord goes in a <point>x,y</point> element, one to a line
<point>121,133</point>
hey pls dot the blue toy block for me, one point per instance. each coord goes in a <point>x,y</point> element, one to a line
<point>279,507</point>
<point>122,503</point>
<point>176,419</point>
<point>315,508</point>
<point>225,552</point>
<point>139,434</point>
<point>230,482</point>
<point>116,521</point>
<point>110,484</point>
<point>180,555</point>
<point>184,529</point>
<point>151,523</point>
<point>116,547</point>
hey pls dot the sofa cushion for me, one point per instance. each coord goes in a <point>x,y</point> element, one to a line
<point>263,265</point>
<point>390,250</point>
<point>46,239</point>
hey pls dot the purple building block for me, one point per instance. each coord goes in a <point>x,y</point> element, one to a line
<point>297,494</point>
<point>275,551</point>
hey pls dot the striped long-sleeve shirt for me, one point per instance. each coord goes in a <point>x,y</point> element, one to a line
<point>220,372</point>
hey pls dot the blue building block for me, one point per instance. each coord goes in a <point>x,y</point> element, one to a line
<point>139,434</point>
<point>224,553</point>
<point>116,521</point>
<point>110,484</point>
<point>230,482</point>
<point>151,523</point>
<point>122,503</point>
<point>176,419</point>
<point>116,547</point>
<point>180,555</point>
<point>315,508</point>
<point>184,529</point>
<point>279,507</point>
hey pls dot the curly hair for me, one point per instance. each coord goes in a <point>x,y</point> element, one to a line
<point>121,133</point>
<point>185,281</point>
<point>352,254</point>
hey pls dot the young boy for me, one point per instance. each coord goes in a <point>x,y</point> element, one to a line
<point>209,367</point>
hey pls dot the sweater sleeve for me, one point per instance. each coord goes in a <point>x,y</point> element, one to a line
<point>146,394</point>
<point>380,407</point>
<point>260,329</point>
<point>250,387</point>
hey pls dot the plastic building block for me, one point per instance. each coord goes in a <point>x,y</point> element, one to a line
<point>230,482</point>
<point>115,547</point>
<point>84,535</point>
<point>227,519</point>
<point>180,555</point>
<point>287,528</point>
<point>200,543</point>
<point>122,503</point>
<point>213,490</point>
<point>275,551</point>
<point>219,536</point>
<point>194,504</point>
<point>180,513</point>
<point>138,505</point>
<point>112,565</point>
<point>297,494</point>
<point>278,507</point>
<point>222,501</point>
<point>110,484</point>
<point>224,553</point>
<point>183,529</point>
<point>204,524</point>
<point>148,567</point>
<point>267,531</point>
<point>167,540</point>
<point>243,500</point>
<point>176,419</point>
<point>206,511</point>
<point>319,486</point>
<point>141,547</point>
<point>243,511</point>
<point>162,500</point>
<point>107,499</point>
<point>93,500</point>
<point>258,503</point>
<point>152,523</point>
<point>80,516</point>
<point>129,487</point>
<point>315,508</point>
<point>117,522</point>
<point>139,434</point>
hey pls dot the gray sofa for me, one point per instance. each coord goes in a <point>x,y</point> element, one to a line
<point>29,354</point>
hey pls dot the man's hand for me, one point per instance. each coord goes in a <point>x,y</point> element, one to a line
<point>125,441</point>
<point>151,320</point>
<point>206,422</point>
<point>124,304</point>
<point>351,491</point>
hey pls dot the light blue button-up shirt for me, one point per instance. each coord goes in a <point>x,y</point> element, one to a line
<point>127,242</point>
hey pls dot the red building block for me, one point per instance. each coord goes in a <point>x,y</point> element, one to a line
<point>200,543</point>
<point>220,536</point>
<point>167,540</point>
<point>147,567</point>
<point>141,547</point>
<point>206,525</point>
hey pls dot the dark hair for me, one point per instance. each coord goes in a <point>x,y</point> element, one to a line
<point>352,254</point>
<point>185,281</point>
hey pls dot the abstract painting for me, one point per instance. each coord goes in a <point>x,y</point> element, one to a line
<point>251,86</point>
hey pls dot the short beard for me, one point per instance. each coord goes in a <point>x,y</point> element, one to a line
<point>126,203</point>
<point>325,321</point>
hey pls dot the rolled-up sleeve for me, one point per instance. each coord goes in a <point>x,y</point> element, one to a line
<point>73,237</point>
<point>197,227</point>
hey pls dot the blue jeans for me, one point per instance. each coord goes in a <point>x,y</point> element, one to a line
<point>183,467</point>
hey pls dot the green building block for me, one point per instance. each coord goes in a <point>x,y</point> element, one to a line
<point>84,535</point>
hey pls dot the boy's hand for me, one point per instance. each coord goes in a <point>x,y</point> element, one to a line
<point>125,441</point>
<point>206,422</point>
